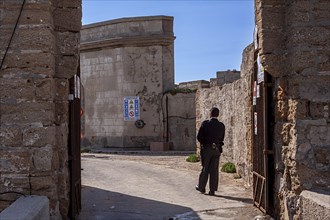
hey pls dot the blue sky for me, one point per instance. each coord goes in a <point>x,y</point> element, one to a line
<point>210,35</point>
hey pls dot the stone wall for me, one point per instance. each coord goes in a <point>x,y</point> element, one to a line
<point>194,84</point>
<point>181,120</point>
<point>294,45</point>
<point>234,102</point>
<point>126,57</point>
<point>228,76</point>
<point>42,56</point>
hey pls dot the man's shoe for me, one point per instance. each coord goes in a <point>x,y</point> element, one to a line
<point>198,189</point>
<point>211,193</point>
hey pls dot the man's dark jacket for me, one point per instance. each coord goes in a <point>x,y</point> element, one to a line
<point>211,131</point>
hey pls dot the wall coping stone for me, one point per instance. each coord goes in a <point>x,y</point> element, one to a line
<point>128,19</point>
<point>126,42</point>
<point>27,208</point>
<point>319,198</point>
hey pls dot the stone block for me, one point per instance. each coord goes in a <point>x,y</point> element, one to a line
<point>15,160</point>
<point>67,4</point>
<point>308,36</point>
<point>66,66</point>
<point>322,158</point>
<point>64,187</point>
<point>61,112</point>
<point>303,151</point>
<point>44,89</point>
<point>34,40</point>
<point>320,12</point>
<point>62,90</point>
<point>273,17</point>
<point>41,184</point>
<point>26,90</point>
<point>160,146</point>
<point>42,158</point>
<point>303,59</point>
<point>10,10</point>
<point>314,89</point>
<point>10,181</point>
<point>62,146</point>
<point>34,61</point>
<point>319,135</point>
<point>298,12</point>
<point>274,63</point>
<point>272,41</point>
<point>67,19</point>
<point>28,112</point>
<point>11,136</point>
<point>38,137</point>
<point>29,64</point>
<point>323,60</point>
<point>319,110</point>
<point>67,43</point>
<point>5,35</point>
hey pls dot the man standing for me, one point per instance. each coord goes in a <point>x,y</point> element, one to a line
<point>210,135</point>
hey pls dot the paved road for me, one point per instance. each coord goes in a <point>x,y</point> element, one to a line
<point>121,188</point>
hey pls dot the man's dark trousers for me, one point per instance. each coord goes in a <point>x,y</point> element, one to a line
<point>210,162</point>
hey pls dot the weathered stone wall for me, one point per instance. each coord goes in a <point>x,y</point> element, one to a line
<point>181,120</point>
<point>234,102</point>
<point>34,77</point>
<point>194,84</point>
<point>294,45</point>
<point>228,76</point>
<point>126,57</point>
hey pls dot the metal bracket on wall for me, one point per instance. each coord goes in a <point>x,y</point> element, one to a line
<point>70,97</point>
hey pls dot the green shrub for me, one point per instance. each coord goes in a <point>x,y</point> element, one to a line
<point>193,158</point>
<point>237,176</point>
<point>228,168</point>
<point>85,150</point>
<point>181,90</point>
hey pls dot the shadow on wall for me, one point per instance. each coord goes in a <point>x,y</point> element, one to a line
<point>102,204</point>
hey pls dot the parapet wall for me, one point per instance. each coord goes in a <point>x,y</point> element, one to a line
<point>117,29</point>
<point>228,76</point>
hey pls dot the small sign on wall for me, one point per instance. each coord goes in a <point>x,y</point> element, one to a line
<point>261,71</point>
<point>255,123</point>
<point>76,86</point>
<point>131,108</point>
<point>255,93</point>
<point>255,37</point>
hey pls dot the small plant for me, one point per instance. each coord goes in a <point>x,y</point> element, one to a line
<point>228,168</point>
<point>237,176</point>
<point>193,158</point>
<point>85,150</point>
<point>181,90</point>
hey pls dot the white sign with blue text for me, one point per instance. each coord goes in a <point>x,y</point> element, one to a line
<point>131,108</point>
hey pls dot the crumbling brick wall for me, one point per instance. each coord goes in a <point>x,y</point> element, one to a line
<point>234,102</point>
<point>294,45</point>
<point>41,58</point>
